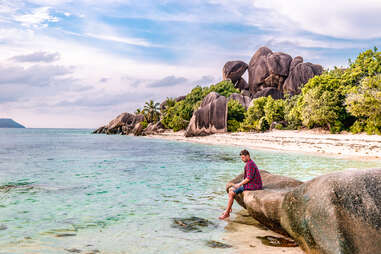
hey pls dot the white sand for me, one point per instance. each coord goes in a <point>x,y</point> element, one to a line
<point>349,146</point>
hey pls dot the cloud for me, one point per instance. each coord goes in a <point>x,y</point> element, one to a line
<point>105,99</point>
<point>168,81</point>
<point>349,19</point>
<point>38,17</point>
<point>126,40</point>
<point>36,75</point>
<point>205,81</point>
<point>104,80</point>
<point>39,56</point>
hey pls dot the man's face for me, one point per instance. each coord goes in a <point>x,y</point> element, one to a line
<point>245,158</point>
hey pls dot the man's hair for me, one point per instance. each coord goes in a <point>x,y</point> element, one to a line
<point>244,152</point>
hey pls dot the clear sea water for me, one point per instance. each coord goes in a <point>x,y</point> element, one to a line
<point>64,190</point>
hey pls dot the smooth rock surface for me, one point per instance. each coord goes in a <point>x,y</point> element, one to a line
<point>243,100</point>
<point>299,76</point>
<point>122,124</point>
<point>334,213</point>
<point>211,117</point>
<point>234,70</point>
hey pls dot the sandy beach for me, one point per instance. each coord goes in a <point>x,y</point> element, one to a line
<point>348,146</point>
<point>242,232</point>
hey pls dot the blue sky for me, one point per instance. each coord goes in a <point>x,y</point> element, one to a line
<point>66,63</point>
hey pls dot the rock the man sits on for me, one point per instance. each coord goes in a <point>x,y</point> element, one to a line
<point>252,181</point>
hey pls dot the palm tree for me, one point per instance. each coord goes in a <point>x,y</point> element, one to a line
<point>151,110</point>
<point>169,102</point>
<point>138,111</point>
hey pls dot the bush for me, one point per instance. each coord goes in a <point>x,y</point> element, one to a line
<point>292,113</point>
<point>254,114</point>
<point>236,111</point>
<point>178,123</point>
<point>321,103</point>
<point>233,125</point>
<point>364,102</point>
<point>263,124</point>
<point>144,124</point>
<point>325,99</point>
<point>224,88</point>
<point>236,114</point>
<point>274,110</point>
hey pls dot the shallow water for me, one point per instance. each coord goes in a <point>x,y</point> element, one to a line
<point>64,190</point>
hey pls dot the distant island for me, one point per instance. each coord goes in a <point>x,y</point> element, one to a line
<point>9,123</point>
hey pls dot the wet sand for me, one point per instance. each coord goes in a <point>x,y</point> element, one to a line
<point>242,232</point>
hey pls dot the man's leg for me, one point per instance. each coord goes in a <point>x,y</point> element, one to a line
<point>226,213</point>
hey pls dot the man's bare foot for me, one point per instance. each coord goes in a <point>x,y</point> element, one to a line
<point>224,215</point>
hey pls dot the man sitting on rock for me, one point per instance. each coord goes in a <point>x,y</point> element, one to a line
<point>251,181</point>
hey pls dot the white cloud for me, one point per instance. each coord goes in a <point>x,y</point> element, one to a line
<point>340,18</point>
<point>38,17</point>
<point>131,41</point>
<point>39,56</point>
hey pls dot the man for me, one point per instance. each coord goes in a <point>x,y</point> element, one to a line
<point>251,181</point>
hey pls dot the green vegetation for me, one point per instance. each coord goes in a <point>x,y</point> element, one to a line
<point>364,102</point>
<point>236,114</point>
<point>339,99</point>
<point>177,115</point>
<point>151,111</point>
<point>262,113</point>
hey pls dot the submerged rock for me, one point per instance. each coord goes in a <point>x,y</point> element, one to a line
<point>192,224</point>
<point>334,213</point>
<point>219,245</point>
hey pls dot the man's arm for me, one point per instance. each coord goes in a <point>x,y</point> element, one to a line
<point>250,177</point>
<point>244,181</point>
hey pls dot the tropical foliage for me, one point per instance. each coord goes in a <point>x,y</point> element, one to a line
<point>178,115</point>
<point>236,114</point>
<point>151,111</point>
<point>339,99</point>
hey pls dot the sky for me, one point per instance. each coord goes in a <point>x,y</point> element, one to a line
<point>80,63</point>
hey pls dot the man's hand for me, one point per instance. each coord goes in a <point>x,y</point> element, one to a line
<point>236,186</point>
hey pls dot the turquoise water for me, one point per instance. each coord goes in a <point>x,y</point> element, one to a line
<point>68,189</point>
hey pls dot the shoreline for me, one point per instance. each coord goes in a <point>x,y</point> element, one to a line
<point>345,146</point>
<point>242,232</point>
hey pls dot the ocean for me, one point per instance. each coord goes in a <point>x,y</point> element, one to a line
<point>69,191</point>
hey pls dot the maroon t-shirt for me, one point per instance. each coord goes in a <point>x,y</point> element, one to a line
<point>252,172</point>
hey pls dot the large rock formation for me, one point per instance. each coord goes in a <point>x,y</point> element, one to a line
<point>211,116</point>
<point>300,73</point>
<point>334,213</point>
<point>243,100</point>
<point>122,124</point>
<point>275,73</point>
<point>153,128</point>
<point>234,70</point>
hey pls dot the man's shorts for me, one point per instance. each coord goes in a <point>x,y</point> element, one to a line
<point>239,190</point>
